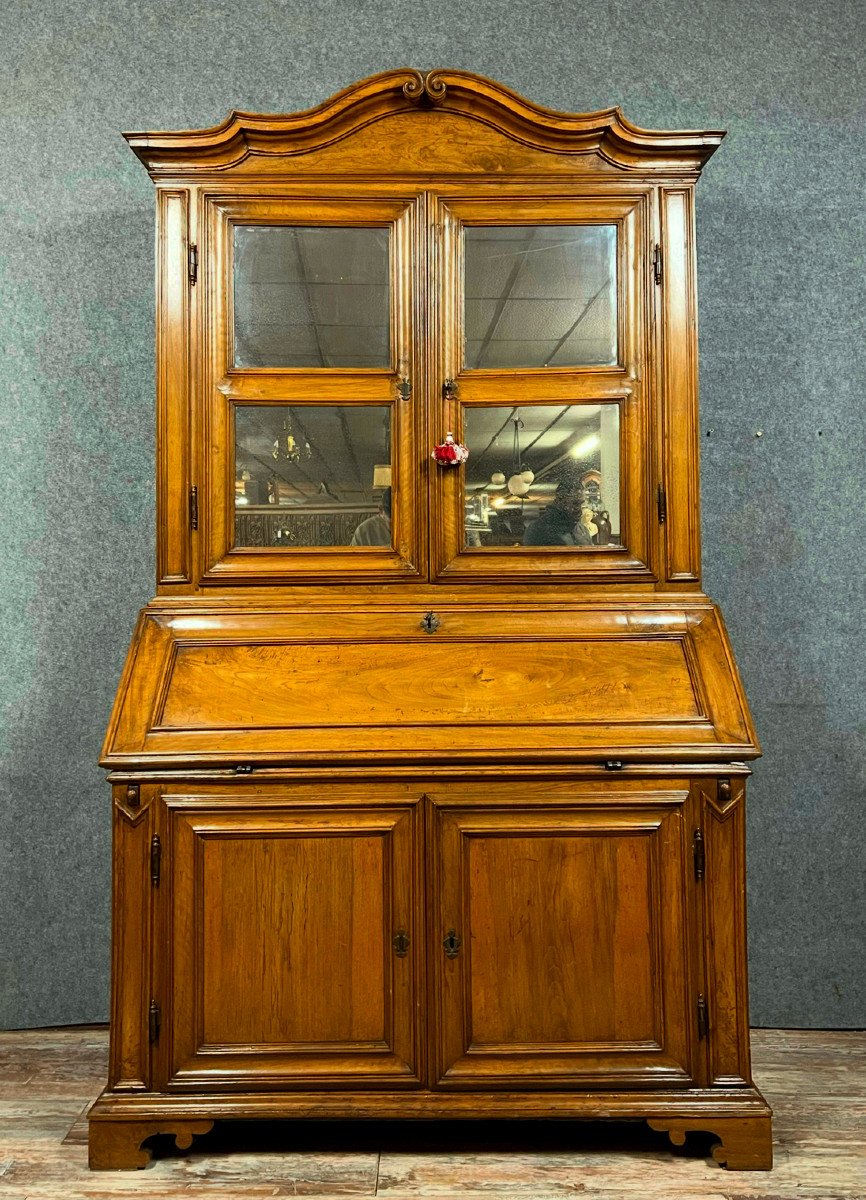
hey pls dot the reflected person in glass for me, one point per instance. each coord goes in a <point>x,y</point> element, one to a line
<point>376,530</point>
<point>559,523</point>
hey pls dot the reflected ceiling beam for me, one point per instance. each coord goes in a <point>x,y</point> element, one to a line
<point>305,283</point>
<point>479,458</point>
<point>556,349</point>
<point>546,429</point>
<point>505,296</point>
<point>347,437</point>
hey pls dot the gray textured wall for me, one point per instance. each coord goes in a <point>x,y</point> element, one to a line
<point>781,224</point>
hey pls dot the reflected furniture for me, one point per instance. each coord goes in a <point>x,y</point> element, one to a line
<point>428,773</point>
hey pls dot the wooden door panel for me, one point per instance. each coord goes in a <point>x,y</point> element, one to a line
<point>283,966</point>
<point>573,962</point>
<point>317,930</point>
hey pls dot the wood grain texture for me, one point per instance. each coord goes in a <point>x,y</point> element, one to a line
<point>815,1081</point>
<point>586,682</point>
<point>580,912</point>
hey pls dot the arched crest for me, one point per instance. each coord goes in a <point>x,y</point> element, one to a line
<point>606,133</point>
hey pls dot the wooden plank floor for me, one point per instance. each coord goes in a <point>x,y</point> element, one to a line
<point>816,1082</point>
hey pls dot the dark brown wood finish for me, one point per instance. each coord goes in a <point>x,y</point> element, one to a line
<point>433,831</point>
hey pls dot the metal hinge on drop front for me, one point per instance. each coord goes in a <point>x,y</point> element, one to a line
<point>192,264</point>
<point>662,500</point>
<point>193,507</point>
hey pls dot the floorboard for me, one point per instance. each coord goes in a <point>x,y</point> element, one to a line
<point>815,1081</point>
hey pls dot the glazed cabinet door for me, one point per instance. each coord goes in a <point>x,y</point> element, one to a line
<point>308,416</point>
<point>563,947</point>
<point>543,346</point>
<point>290,929</point>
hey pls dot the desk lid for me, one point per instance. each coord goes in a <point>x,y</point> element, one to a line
<point>527,684</point>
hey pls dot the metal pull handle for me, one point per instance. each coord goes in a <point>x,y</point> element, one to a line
<point>451,942</point>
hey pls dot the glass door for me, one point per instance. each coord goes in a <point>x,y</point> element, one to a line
<point>309,419</point>
<point>541,343</point>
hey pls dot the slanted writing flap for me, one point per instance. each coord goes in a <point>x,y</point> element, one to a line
<point>520,685</point>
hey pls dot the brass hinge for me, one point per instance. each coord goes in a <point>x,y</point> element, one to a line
<point>192,263</point>
<point>703,1017</point>
<point>155,859</point>
<point>401,943</point>
<point>661,497</point>
<point>657,263</point>
<point>193,507</point>
<point>153,1022</point>
<point>700,854</point>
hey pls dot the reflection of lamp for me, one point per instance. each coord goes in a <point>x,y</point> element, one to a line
<point>287,448</point>
<point>585,446</point>
<point>520,481</point>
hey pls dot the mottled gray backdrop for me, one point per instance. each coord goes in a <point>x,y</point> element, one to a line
<point>782,297</point>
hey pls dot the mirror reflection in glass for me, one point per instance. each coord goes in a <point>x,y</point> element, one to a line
<point>542,475</point>
<point>308,296</point>
<point>540,295</point>
<point>312,476</point>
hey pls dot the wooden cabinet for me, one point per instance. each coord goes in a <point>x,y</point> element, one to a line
<point>428,770</point>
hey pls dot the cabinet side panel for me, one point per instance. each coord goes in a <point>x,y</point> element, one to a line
<point>172,357</point>
<point>727,969</point>
<point>681,389</point>
<point>131,939</point>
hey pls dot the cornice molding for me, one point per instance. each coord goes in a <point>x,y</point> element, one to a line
<point>607,133</point>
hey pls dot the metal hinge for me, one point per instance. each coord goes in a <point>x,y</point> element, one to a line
<point>661,497</point>
<point>192,263</point>
<point>153,1022</point>
<point>657,263</point>
<point>155,859</point>
<point>193,507</point>
<point>700,854</point>
<point>703,1017</point>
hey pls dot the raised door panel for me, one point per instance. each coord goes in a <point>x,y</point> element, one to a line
<point>563,956</point>
<point>282,926</point>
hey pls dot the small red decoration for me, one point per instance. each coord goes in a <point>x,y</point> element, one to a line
<point>450,453</point>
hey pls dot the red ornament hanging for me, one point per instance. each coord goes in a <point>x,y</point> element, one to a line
<point>450,453</point>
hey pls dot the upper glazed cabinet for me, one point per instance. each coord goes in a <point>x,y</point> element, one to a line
<point>344,291</point>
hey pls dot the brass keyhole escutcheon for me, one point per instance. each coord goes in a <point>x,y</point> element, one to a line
<point>451,942</point>
<point>430,622</point>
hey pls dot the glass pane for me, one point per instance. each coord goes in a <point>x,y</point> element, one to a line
<point>311,297</point>
<point>540,295</point>
<point>308,476</point>
<point>542,475</point>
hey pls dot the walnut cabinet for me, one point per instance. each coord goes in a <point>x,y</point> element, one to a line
<point>428,770</point>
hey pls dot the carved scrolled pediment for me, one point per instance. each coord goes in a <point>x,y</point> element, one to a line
<point>606,135</point>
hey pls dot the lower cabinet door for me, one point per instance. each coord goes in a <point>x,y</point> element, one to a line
<point>563,948</point>
<point>293,959</point>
